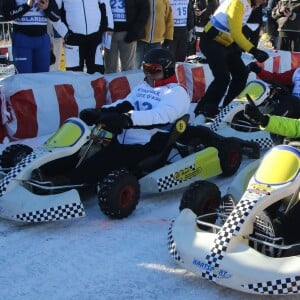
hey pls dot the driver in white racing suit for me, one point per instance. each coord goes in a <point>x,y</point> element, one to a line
<point>141,121</point>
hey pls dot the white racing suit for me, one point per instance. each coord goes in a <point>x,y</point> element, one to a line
<point>82,22</point>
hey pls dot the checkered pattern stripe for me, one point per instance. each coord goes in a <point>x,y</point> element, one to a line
<point>170,180</point>
<point>290,285</point>
<point>221,115</point>
<point>14,172</point>
<point>57,213</point>
<point>231,227</point>
<point>172,246</point>
<point>265,142</point>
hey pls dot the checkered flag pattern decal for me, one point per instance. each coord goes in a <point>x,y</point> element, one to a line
<point>276,287</point>
<point>67,211</point>
<point>13,173</point>
<point>169,181</point>
<point>264,142</point>
<point>221,115</point>
<point>172,246</point>
<point>231,227</point>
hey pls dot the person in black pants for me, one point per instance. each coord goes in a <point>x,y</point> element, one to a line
<point>222,43</point>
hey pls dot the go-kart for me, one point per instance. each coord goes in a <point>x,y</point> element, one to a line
<point>231,120</point>
<point>25,198</point>
<point>252,243</point>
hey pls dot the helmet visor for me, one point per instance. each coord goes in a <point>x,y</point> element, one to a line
<point>152,68</point>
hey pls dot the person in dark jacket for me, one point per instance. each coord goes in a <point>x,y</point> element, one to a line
<point>271,24</point>
<point>183,17</point>
<point>30,40</point>
<point>256,20</point>
<point>130,18</point>
<point>203,10</point>
<point>287,15</point>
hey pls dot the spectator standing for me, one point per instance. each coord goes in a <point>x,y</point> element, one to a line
<point>81,29</point>
<point>255,20</point>
<point>159,29</point>
<point>271,24</point>
<point>130,18</point>
<point>56,47</point>
<point>203,10</point>
<point>287,15</point>
<point>30,40</point>
<point>183,18</point>
<point>222,42</point>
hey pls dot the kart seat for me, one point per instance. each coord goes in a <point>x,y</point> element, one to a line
<point>156,161</point>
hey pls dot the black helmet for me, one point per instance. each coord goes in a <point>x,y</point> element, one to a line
<point>162,57</point>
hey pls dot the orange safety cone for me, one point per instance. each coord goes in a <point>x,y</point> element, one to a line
<point>198,49</point>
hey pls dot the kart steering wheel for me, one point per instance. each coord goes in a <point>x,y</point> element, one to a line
<point>279,88</point>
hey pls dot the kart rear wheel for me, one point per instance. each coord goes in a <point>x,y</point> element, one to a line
<point>13,154</point>
<point>202,197</point>
<point>230,155</point>
<point>118,194</point>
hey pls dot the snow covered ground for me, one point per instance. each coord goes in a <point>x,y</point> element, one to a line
<point>98,258</point>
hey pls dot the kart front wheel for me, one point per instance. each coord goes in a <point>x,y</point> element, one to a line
<point>13,154</point>
<point>202,197</point>
<point>118,194</point>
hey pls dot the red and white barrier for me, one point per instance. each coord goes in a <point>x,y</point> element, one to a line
<point>37,104</point>
<point>195,77</point>
<point>120,84</point>
<point>34,105</point>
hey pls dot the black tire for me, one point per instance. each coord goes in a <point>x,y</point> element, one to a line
<point>230,155</point>
<point>13,154</point>
<point>118,194</point>
<point>279,88</point>
<point>202,197</point>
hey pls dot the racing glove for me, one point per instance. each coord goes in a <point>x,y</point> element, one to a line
<point>74,39</point>
<point>254,67</point>
<point>166,43</point>
<point>253,114</point>
<point>123,107</point>
<point>115,122</point>
<point>90,116</point>
<point>259,55</point>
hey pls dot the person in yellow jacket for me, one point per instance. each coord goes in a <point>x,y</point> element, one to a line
<point>283,126</point>
<point>159,29</point>
<point>222,42</point>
